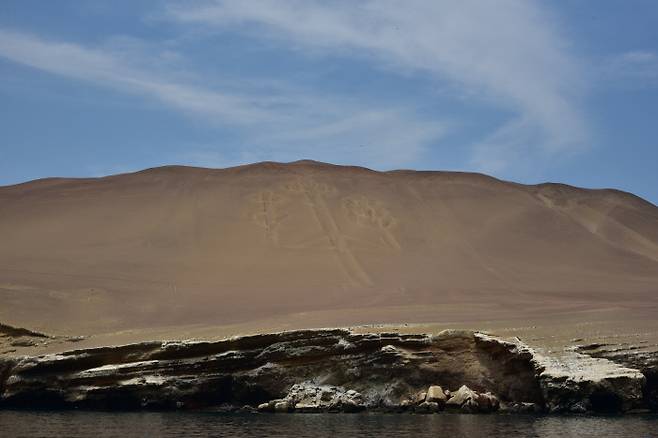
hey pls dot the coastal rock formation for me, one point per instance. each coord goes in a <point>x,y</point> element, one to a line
<point>467,400</point>
<point>435,394</point>
<point>580,383</point>
<point>382,368</point>
<point>308,397</point>
<point>320,370</point>
<point>642,357</point>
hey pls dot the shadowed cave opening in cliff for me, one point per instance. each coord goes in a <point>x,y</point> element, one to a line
<point>606,402</point>
<point>651,389</point>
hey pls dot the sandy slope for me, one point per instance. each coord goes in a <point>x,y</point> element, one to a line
<point>318,244</point>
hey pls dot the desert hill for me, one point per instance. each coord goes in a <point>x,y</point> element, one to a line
<point>179,246</point>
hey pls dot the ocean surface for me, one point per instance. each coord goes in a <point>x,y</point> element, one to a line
<point>170,424</point>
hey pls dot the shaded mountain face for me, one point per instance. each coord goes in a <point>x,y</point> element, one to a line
<point>177,246</point>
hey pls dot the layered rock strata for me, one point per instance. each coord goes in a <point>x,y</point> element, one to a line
<point>323,370</point>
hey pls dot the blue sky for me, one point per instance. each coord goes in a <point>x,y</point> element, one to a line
<point>527,90</point>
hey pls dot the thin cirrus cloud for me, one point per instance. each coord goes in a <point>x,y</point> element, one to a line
<point>636,68</point>
<point>107,69</point>
<point>508,53</point>
<point>278,122</point>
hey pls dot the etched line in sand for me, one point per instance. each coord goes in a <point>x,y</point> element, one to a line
<point>366,212</point>
<point>603,225</point>
<point>449,215</point>
<point>314,194</point>
<point>267,216</point>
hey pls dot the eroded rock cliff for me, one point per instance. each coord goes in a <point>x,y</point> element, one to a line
<point>315,370</point>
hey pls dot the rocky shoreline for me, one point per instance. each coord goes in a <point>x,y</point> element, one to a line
<point>335,370</point>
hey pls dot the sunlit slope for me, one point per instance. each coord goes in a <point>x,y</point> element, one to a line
<point>177,245</point>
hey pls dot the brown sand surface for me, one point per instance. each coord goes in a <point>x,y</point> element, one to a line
<point>178,252</point>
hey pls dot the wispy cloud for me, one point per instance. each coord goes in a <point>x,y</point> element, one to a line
<point>636,68</point>
<point>272,121</point>
<point>108,69</point>
<point>507,52</point>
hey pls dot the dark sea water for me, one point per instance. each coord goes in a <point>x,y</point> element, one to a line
<point>170,424</point>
